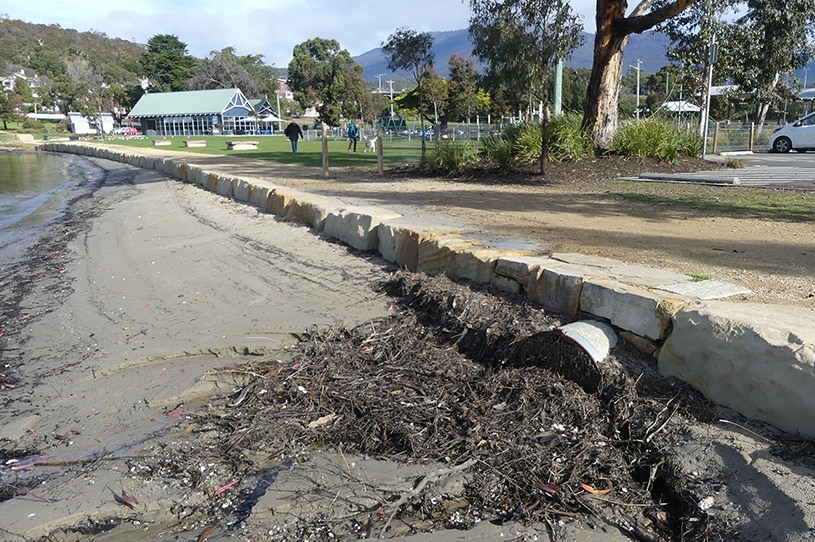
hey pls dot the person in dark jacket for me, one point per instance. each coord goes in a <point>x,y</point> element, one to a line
<point>293,132</point>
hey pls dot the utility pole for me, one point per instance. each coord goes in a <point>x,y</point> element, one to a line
<point>390,82</point>
<point>380,82</point>
<point>637,67</point>
<point>712,58</point>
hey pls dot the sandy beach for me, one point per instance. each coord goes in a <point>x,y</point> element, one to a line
<point>153,300</point>
<point>124,323</point>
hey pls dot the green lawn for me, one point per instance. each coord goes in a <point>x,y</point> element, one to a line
<point>309,153</point>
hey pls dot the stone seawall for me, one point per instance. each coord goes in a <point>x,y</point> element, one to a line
<point>756,359</point>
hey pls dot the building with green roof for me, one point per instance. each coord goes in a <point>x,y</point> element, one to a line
<point>195,112</point>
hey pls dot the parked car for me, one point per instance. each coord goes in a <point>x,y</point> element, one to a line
<point>798,135</point>
<point>125,130</point>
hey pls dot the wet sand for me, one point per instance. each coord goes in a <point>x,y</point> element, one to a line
<point>125,327</point>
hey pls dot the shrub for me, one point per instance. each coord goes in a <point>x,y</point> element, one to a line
<point>528,140</point>
<point>453,157</point>
<point>498,149</point>
<point>654,137</point>
<point>567,139</point>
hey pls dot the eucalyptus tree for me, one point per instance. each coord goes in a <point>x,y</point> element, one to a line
<point>521,40</point>
<point>437,91</point>
<point>409,50</point>
<point>225,69</point>
<point>769,38</point>
<point>614,27</point>
<point>773,37</point>
<point>324,76</point>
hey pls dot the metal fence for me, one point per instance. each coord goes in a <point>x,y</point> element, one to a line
<point>472,132</point>
<point>731,137</point>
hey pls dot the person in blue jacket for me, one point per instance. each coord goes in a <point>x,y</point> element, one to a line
<point>353,136</point>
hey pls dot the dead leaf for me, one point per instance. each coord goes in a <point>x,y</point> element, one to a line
<point>595,491</point>
<point>128,498</point>
<point>322,421</point>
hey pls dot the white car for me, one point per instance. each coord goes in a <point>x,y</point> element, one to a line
<point>799,135</point>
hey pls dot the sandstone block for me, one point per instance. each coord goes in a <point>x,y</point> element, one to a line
<point>756,359</point>
<point>457,257</point>
<point>312,210</point>
<point>357,226</point>
<point>628,307</point>
<point>557,285</point>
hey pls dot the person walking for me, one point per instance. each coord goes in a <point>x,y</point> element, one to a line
<point>293,132</point>
<point>353,136</point>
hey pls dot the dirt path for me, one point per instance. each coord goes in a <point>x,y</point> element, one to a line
<point>774,259</point>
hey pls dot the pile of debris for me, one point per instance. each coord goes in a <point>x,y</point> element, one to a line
<point>462,376</point>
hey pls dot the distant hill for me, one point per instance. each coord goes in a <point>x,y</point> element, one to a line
<point>649,47</point>
<point>41,48</point>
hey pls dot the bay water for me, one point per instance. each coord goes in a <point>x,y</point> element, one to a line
<point>35,188</point>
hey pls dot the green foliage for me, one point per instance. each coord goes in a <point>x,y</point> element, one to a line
<point>322,74</point>
<point>7,113</point>
<point>166,63</point>
<point>227,70</point>
<point>409,50</point>
<point>567,139</point>
<point>454,157</point>
<point>500,152</point>
<point>33,126</point>
<point>653,137</point>
<point>527,142</point>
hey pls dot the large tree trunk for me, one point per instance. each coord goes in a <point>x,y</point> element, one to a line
<point>603,95</point>
<point>600,115</point>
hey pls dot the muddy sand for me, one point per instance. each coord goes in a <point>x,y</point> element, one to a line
<point>179,366</point>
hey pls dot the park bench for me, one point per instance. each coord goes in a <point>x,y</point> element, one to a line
<point>195,143</point>
<point>242,145</point>
<point>162,142</point>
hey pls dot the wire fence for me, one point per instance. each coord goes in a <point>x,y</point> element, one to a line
<point>733,137</point>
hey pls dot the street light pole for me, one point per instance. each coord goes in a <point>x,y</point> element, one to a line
<point>713,57</point>
<point>390,82</point>
<point>639,62</point>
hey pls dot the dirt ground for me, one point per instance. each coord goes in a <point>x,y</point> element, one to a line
<point>572,211</point>
<point>179,366</point>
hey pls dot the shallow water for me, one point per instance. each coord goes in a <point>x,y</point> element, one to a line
<point>35,188</point>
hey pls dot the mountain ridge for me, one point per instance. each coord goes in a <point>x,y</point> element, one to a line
<point>649,47</point>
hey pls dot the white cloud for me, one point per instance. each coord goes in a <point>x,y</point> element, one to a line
<point>268,27</point>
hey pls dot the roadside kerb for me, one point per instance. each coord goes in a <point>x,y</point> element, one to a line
<point>757,359</point>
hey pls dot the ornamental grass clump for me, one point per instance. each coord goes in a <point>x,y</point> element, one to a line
<point>654,137</point>
<point>500,156</point>
<point>567,139</point>
<point>454,157</point>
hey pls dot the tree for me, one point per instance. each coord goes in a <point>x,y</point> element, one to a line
<point>436,89</point>
<point>166,63</point>
<point>227,70</point>
<point>325,76</point>
<point>521,40</point>
<point>7,113</point>
<point>464,91</point>
<point>773,37</point>
<point>409,50</point>
<point>600,115</point>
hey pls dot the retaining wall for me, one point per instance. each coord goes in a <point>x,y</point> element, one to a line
<point>756,359</point>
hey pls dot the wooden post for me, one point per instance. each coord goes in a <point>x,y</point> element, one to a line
<point>325,150</point>
<point>715,138</point>
<point>380,169</point>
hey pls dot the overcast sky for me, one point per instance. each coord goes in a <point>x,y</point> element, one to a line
<point>268,27</point>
